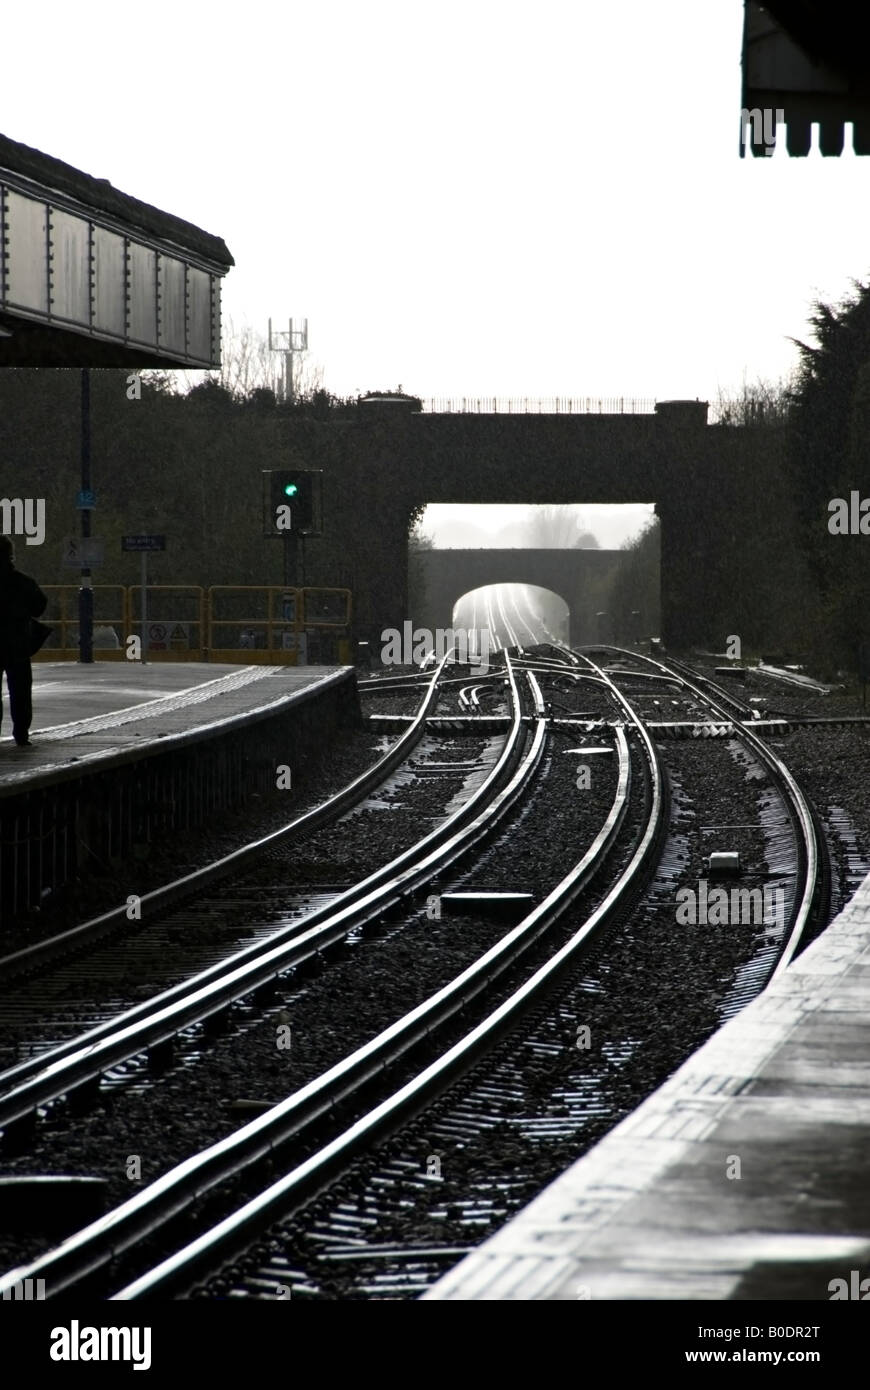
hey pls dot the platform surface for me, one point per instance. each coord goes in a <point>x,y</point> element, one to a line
<point>745,1176</point>
<point>109,711</point>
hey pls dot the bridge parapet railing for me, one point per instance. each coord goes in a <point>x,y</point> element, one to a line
<point>544,405</point>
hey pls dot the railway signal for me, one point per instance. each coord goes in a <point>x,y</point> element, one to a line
<point>291,502</point>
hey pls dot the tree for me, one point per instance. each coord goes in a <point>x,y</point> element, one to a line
<point>829,441</point>
<point>633,604</point>
<point>827,380</point>
<point>561,527</point>
<point>249,371</point>
<point>756,403</point>
<point>418,544</point>
<point>160,381</point>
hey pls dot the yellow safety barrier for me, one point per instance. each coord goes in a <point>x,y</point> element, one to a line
<point>257,624</point>
<point>62,614</point>
<point>175,625</point>
<point>253,624</point>
<point>326,616</point>
<point>326,607</point>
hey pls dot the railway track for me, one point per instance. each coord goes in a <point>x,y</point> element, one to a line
<point>81,937</point>
<point>51,1008</point>
<point>332,1252</point>
<point>322,1096</point>
<point>433,1107</point>
<point>147,1028</point>
<point>811,886</point>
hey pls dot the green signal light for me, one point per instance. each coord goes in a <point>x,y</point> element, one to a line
<point>290,489</point>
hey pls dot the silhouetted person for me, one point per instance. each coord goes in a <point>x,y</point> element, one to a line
<point>21,599</point>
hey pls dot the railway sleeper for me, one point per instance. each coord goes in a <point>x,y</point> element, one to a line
<point>83,1096</point>
<point>18,1136</point>
<point>217,1023</point>
<point>56,1204</point>
<point>160,1054</point>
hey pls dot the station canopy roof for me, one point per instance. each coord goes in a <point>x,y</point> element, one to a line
<point>90,276</point>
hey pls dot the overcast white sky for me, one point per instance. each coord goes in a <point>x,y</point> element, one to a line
<point>472,197</point>
<point>469,197</point>
<point>505,524</point>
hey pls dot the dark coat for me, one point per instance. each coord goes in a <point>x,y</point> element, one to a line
<point>20,600</point>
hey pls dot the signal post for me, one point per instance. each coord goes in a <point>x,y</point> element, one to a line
<point>293,509</point>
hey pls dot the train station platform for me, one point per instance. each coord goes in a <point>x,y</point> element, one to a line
<point>744,1177</point>
<point>121,751</point>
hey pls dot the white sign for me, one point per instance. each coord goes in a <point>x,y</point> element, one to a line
<point>168,636</point>
<point>82,552</point>
<point>298,643</point>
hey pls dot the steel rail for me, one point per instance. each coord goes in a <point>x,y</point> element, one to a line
<point>59,1267</point>
<point>518,613</point>
<point>233,1233</point>
<point>170,894</point>
<point>806,837</point>
<point>92,1247</point>
<point>39,1080</point>
<point>96,1245</point>
<point>512,634</point>
<point>388,685</point>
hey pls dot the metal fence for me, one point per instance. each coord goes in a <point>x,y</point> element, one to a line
<point>545,405</point>
<point>62,615</point>
<point>253,623</point>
